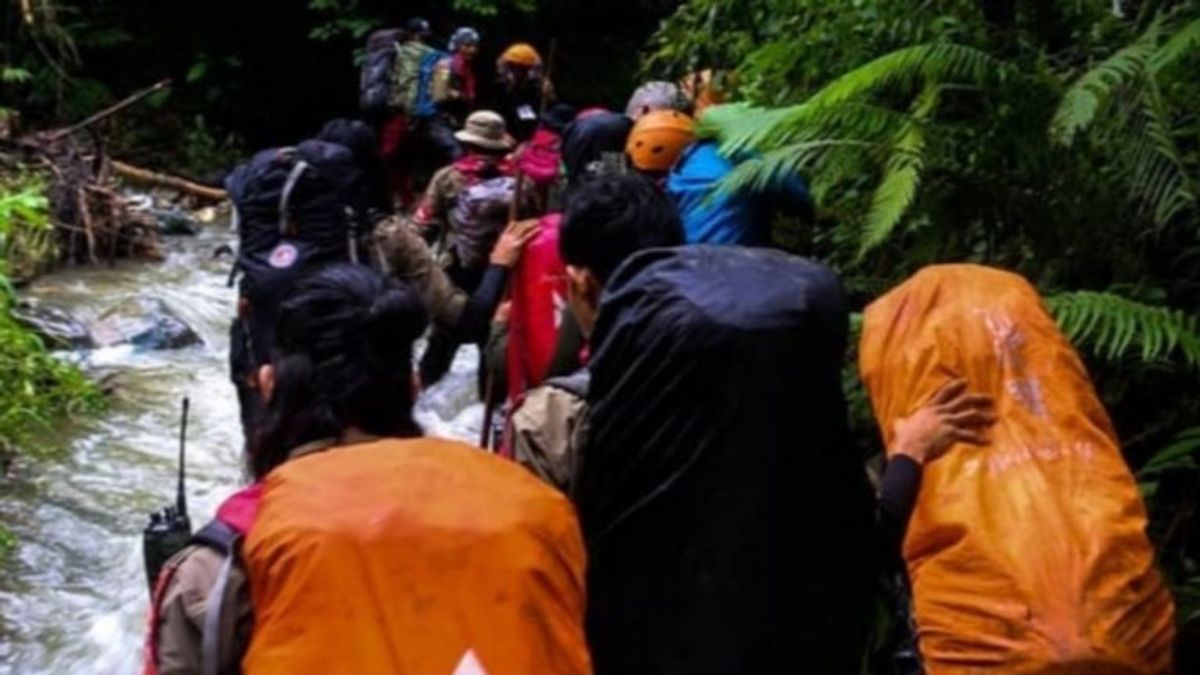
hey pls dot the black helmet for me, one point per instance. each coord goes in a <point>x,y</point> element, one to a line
<point>417,27</point>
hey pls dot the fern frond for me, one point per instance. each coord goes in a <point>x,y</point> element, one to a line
<point>901,176</point>
<point>1112,326</point>
<point>743,129</point>
<point>1084,99</point>
<point>758,174</point>
<point>1185,42</point>
<point>907,68</point>
<point>1157,175</point>
<point>1180,453</point>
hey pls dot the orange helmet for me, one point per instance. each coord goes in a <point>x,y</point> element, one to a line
<point>659,138</point>
<point>521,54</point>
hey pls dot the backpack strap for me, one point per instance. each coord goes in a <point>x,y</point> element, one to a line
<point>576,383</point>
<point>224,539</point>
<point>286,195</point>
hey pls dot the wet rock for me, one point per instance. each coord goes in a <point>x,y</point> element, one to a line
<point>175,222</point>
<point>146,323</point>
<point>58,328</point>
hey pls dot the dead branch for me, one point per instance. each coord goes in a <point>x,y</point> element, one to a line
<point>141,175</point>
<point>109,111</point>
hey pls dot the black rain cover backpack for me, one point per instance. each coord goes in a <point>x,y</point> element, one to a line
<point>296,209</point>
<point>725,508</point>
<point>376,77</point>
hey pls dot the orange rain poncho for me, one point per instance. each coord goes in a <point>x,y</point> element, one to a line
<point>1028,555</point>
<point>422,557</point>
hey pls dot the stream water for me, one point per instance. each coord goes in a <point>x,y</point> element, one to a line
<point>73,595</point>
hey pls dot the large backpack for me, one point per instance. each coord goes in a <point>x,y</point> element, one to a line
<point>297,209</point>
<point>376,77</point>
<point>412,79</point>
<point>480,213</point>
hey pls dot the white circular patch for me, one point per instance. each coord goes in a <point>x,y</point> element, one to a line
<point>283,257</point>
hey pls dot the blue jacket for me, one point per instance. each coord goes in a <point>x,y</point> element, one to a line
<point>738,219</point>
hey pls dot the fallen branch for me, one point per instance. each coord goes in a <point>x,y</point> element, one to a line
<point>108,112</point>
<point>140,175</point>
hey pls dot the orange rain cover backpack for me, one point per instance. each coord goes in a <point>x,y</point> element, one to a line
<point>1028,555</point>
<point>418,557</point>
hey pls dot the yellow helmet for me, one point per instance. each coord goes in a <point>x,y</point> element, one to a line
<point>521,54</point>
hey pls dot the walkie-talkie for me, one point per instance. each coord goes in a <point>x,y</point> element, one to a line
<point>169,530</point>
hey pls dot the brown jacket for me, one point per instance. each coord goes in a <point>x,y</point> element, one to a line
<point>404,255</point>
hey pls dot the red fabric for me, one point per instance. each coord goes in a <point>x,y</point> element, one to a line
<point>539,297</point>
<point>473,165</point>
<point>150,648</point>
<point>394,148</point>
<point>465,76</point>
<point>541,157</point>
<point>240,510</point>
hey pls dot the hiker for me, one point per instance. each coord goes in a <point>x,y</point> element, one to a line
<point>453,93</point>
<point>654,96</point>
<point>606,220</point>
<point>522,87</point>
<point>1030,553</point>
<point>539,160</point>
<point>484,147</point>
<point>450,215</point>
<point>727,515</point>
<point>363,143</point>
<point>594,143</point>
<point>365,547</point>
<point>295,209</point>
<point>657,140</point>
<point>459,316</point>
<point>391,77</point>
<point>742,218</point>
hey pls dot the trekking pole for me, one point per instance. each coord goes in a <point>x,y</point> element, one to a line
<point>486,437</point>
<point>548,77</point>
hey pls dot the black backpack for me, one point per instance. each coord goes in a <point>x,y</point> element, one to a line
<point>376,77</point>
<point>296,209</point>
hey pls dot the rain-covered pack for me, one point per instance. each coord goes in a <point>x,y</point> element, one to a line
<point>419,556</point>
<point>297,208</point>
<point>727,514</point>
<point>480,213</point>
<point>376,76</point>
<point>1029,554</point>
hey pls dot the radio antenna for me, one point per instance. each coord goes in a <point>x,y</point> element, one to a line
<point>181,494</point>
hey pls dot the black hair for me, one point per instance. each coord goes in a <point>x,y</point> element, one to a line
<point>363,143</point>
<point>587,139</point>
<point>355,135</point>
<point>343,357</point>
<point>609,218</point>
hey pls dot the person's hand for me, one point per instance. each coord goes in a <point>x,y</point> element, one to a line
<point>511,243</point>
<point>951,416</point>
<point>503,312</point>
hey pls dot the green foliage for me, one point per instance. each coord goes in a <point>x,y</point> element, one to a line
<point>1179,454</point>
<point>36,389</point>
<point>1096,87</point>
<point>1112,326</point>
<point>28,242</point>
<point>205,149</point>
<point>8,542</point>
